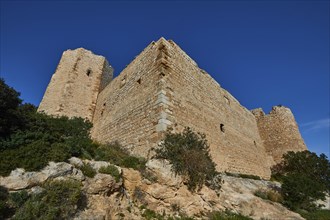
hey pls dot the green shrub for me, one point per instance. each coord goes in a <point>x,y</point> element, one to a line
<point>134,162</point>
<point>17,199</point>
<point>115,154</point>
<point>9,104</point>
<point>305,179</point>
<point>59,200</point>
<point>88,170</point>
<point>112,170</point>
<point>44,139</point>
<point>188,153</point>
<point>245,176</point>
<point>227,216</point>
<point>5,210</point>
<point>149,214</point>
<point>315,215</point>
<point>30,140</point>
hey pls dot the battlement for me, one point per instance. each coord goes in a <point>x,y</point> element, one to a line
<point>164,88</point>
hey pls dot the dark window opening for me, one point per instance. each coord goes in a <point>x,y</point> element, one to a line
<point>139,81</point>
<point>89,72</point>
<point>104,104</point>
<point>222,127</point>
<point>123,82</point>
<point>227,100</point>
<point>255,144</point>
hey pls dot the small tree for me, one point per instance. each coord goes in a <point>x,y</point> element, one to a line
<point>9,102</point>
<point>188,153</point>
<point>305,177</point>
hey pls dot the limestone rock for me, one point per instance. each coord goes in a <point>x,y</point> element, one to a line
<point>75,161</point>
<point>237,194</point>
<point>162,170</point>
<point>54,170</point>
<point>19,179</point>
<point>131,179</point>
<point>102,184</point>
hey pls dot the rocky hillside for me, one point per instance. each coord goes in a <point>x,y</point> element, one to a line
<point>130,194</point>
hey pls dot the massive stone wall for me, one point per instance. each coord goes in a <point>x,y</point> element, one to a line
<point>196,100</point>
<point>129,109</point>
<point>164,88</point>
<point>279,132</point>
<point>76,83</point>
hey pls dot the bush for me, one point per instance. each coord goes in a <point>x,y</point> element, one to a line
<point>17,199</point>
<point>305,179</point>
<point>300,192</point>
<point>115,154</point>
<point>30,140</point>
<point>245,176</point>
<point>227,216</point>
<point>59,200</point>
<point>5,210</point>
<point>188,153</point>
<point>9,104</point>
<point>88,170</point>
<point>45,139</point>
<point>112,170</point>
<point>315,215</point>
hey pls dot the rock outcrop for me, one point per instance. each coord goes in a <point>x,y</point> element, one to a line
<point>156,188</point>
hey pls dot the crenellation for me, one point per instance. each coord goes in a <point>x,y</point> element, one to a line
<point>164,88</point>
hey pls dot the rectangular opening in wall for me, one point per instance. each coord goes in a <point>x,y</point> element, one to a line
<point>227,100</point>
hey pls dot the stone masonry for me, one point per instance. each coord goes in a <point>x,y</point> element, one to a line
<point>164,88</point>
<point>76,83</point>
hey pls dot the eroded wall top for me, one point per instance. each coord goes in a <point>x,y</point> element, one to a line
<point>279,131</point>
<point>76,83</point>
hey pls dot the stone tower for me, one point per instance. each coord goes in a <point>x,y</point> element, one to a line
<point>279,132</point>
<point>76,83</point>
<point>164,88</point>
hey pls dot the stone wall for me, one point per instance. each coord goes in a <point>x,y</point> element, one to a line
<point>128,110</point>
<point>279,132</point>
<point>76,83</point>
<point>196,100</point>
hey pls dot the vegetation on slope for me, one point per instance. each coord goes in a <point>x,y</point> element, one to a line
<point>188,152</point>
<point>305,179</point>
<point>30,140</point>
<point>58,200</point>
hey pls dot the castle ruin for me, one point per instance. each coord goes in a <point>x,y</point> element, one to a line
<point>164,88</point>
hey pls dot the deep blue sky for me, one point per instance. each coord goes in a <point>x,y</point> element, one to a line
<point>263,52</point>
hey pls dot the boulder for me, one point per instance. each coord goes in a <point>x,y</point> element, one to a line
<point>75,161</point>
<point>19,179</point>
<point>102,184</point>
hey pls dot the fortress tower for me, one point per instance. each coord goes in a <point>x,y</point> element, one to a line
<point>279,131</point>
<point>164,88</point>
<point>75,85</point>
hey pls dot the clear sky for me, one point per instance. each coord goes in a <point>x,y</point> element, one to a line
<point>264,53</point>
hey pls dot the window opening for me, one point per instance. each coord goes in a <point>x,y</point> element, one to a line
<point>89,72</point>
<point>222,128</point>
